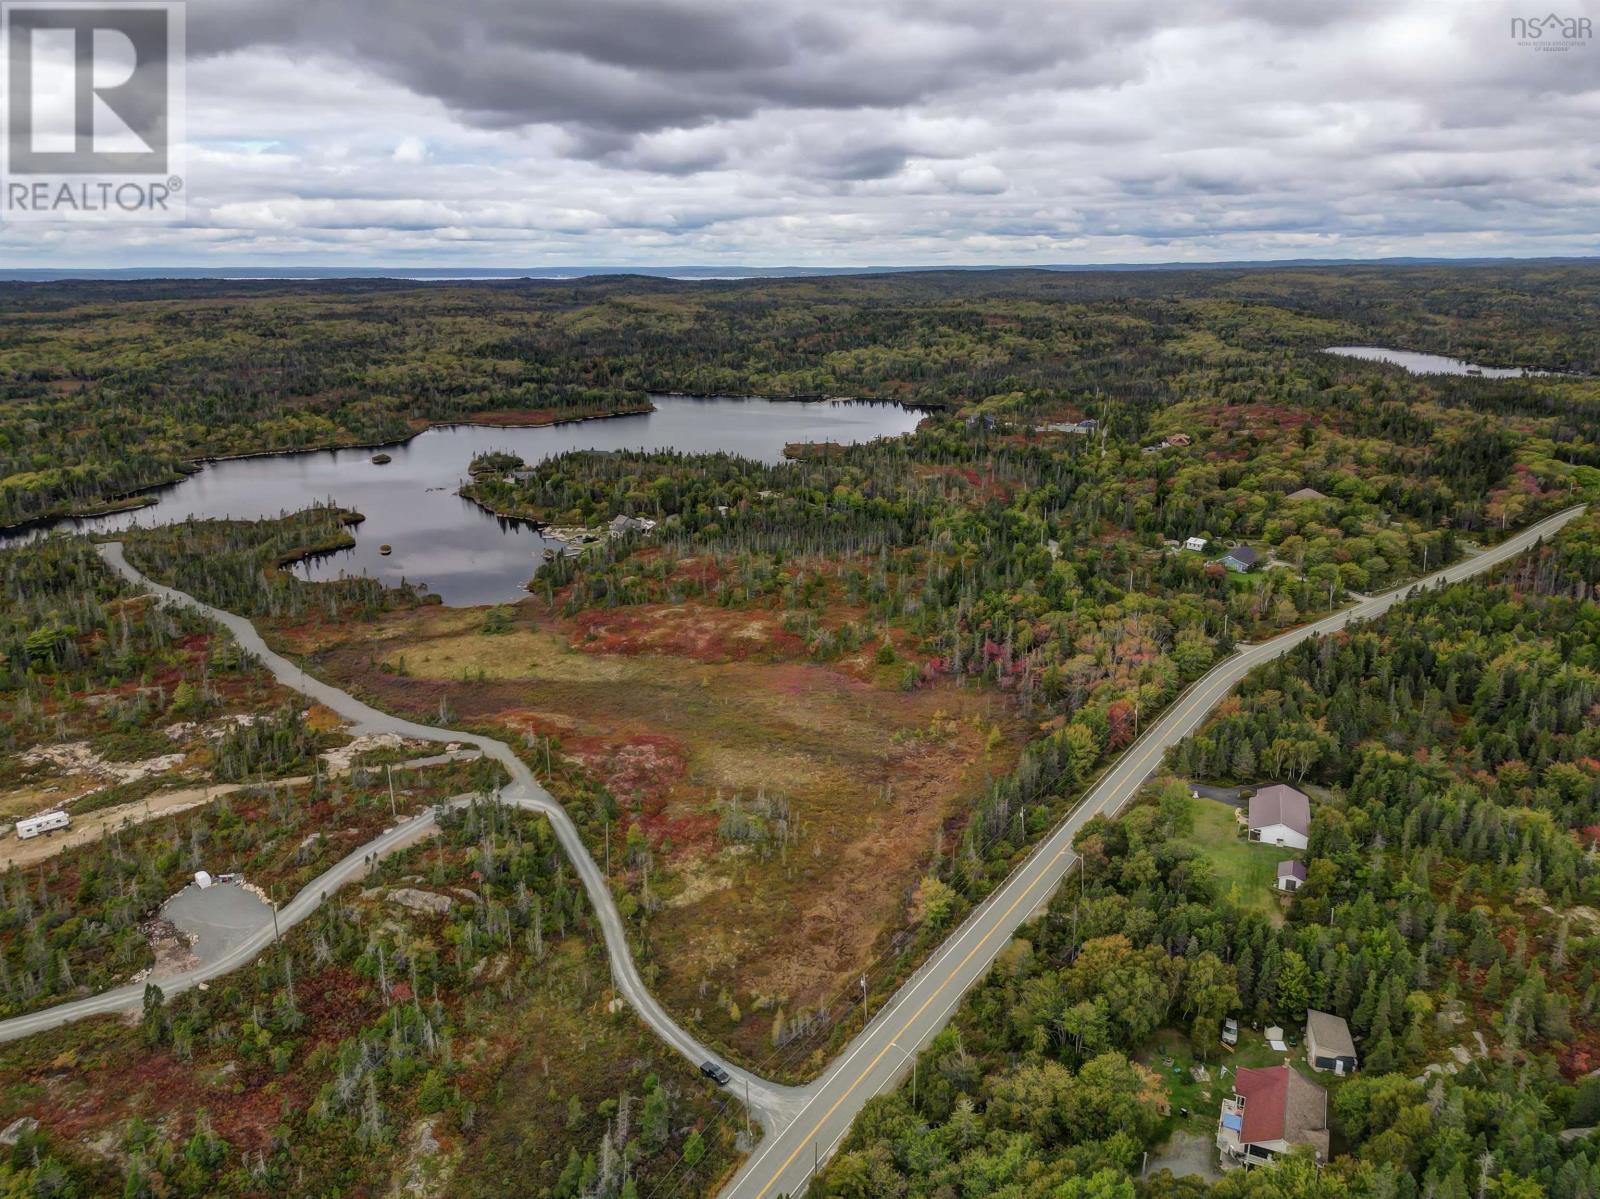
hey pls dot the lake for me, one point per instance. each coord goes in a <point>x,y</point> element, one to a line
<point>1431,364</point>
<point>458,550</point>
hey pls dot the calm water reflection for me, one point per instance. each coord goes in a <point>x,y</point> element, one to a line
<point>1431,364</point>
<point>440,539</point>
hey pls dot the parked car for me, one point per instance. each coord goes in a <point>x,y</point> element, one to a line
<point>1230,1032</point>
<point>715,1073</point>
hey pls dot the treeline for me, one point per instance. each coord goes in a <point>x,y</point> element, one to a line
<point>238,565</point>
<point>70,629</point>
<point>1046,562</point>
<point>180,371</point>
<point>76,924</point>
<point>1450,881</point>
<point>373,1013</point>
<point>1493,683</point>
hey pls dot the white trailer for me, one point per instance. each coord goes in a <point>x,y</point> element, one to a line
<point>44,822</point>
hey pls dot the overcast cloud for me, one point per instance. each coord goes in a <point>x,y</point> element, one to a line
<point>770,132</point>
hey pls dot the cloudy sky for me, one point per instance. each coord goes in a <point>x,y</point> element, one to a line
<point>866,132</point>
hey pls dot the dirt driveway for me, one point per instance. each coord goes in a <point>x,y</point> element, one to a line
<point>1187,1154</point>
<point>94,825</point>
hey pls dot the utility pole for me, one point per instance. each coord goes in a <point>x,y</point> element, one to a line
<point>276,936</point>
<point>389,770</point>
<point>608,850</point>
<point>863,1001</point>
<point>747,1106</point>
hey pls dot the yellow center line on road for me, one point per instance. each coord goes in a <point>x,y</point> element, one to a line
<point>910,1020</point>
<point>1206,697</point>
<point>926,1003</point>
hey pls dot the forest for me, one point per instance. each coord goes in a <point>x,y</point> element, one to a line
<point>177,372</point>
<point>993,548</point>
<point>107,695</point>
<point>387,1042</point>
<point>77,925</point>
<point>1022,560</point>
<point>1450,901</point>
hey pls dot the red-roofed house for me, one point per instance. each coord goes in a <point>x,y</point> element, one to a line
<point>1273,1110</point>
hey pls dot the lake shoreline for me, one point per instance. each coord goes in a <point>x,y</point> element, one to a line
<point>149,495</point>
<point>1426,362</point>
<point>469,553</point>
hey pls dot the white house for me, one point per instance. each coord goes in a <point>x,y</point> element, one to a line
<point>1280,815</point>
<point>1197,544</point>
<point>1291,875</point>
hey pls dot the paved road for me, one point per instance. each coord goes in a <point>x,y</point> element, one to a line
<point>774,1106</point>
<point>131,998</point>
<point>880,1055</point>
<point>804,1124</point>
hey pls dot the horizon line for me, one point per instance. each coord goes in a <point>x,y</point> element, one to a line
<point>727,271</point>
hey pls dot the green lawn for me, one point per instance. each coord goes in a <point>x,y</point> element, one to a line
<point>1253,867</point>
<point>1172,1055</point>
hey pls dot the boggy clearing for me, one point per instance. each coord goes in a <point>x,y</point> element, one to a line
<point>773,815</point>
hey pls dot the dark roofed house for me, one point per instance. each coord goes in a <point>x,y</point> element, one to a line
<point>621,525</point>
<point>1291,875</point>
<point>1272,1111</point>
<point>1329,1045</point>
<point>1280,815</point>
<point>1241,559</point>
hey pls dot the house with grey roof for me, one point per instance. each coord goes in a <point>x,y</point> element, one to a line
<point>1280,815</point>
<point>1329,1045</point>
<point>1291,875</point>
<point>1241,559</point>
<point>622,525</point>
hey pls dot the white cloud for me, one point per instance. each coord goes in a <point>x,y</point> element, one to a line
<point>411,151</point>
<point>640,132</point>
